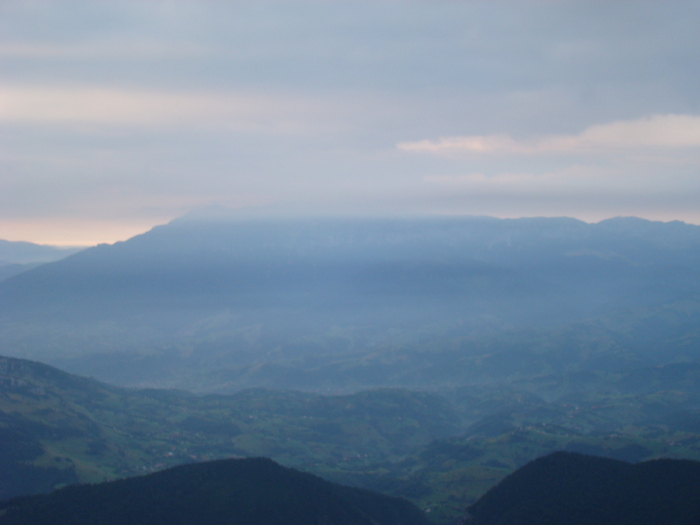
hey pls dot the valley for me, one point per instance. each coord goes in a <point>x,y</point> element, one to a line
<point>441,451</point>
<point>422,359</point>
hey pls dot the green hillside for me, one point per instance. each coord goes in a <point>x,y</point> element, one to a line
<point>441,451</point>
<point>76,429</point>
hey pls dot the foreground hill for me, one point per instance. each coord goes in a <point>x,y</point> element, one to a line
<point>573,489</point>
<point>219,304</point>
<point>240,491</point>
<point>58,429</point>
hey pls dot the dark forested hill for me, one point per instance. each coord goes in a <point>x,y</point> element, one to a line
<point>237,491</point>
<point>572,489</point>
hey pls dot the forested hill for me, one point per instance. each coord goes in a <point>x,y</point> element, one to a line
<point>573,489</point>
<point>234,492</point>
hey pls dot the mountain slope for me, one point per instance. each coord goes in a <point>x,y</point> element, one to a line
<point>243,491</point>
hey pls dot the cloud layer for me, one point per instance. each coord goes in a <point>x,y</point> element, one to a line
<point>656,131</point>
<point>247,111</point>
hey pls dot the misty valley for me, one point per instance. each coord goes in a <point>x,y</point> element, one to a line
<point>433,370</point>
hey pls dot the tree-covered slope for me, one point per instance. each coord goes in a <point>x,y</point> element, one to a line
<point>238,491</point>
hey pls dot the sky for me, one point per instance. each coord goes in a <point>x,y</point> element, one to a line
<point>116,116</point>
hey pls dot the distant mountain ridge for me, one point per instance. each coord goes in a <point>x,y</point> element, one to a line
<point>266,292</point>
<point>19,252</point>
<point>238,491</point>
<point>17,257</point>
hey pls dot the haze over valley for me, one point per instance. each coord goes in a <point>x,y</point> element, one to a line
<point>391,354</point>
<point>337,305</point>
<point>349,263</point>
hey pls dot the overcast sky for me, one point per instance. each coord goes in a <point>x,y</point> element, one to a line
<point>116,116</point>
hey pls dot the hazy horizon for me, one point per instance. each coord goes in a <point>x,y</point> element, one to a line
<point>135,232</point>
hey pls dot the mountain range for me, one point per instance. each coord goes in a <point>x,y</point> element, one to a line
<point>219,303</point>
<point>423,358</point>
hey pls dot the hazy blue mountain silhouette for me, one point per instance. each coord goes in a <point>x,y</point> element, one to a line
<point>302,279</point>
<point>14,252</point>
<point>193,264</point>
<point>18,257</point>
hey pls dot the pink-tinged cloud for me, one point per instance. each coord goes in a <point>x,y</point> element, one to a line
<point>238,111</point>
<point>658,131</point>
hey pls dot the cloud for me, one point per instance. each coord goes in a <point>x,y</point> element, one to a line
<point>588,192</point>
<point>242,111</point>
<point>136,49</point>
<point>669,131</point>
<point>571,179</point>
<point>657,131</point>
